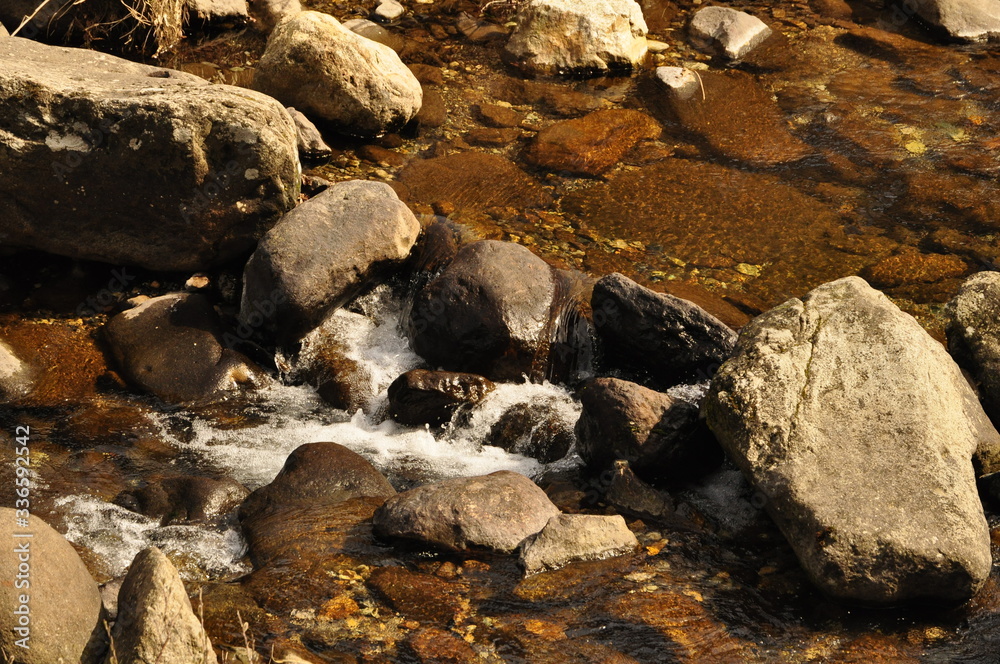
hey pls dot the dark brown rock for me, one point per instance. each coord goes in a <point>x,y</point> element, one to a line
<point>914,267</point>
<point>324,361</point>
<point>486,313</point>
<point>472,181</point>
<point>495,511</point>
<point>432,397</point>
<point>427,75</point>
<point>494,115</point>
<point>432,645</point>
<point>532,430</point>
<point>381,156</point>
<point>184,499</point>
<point>415,595</point>
<point>660,437</point>
<point>433,112</point>
<point>592,144</point>
<point>490,137</point>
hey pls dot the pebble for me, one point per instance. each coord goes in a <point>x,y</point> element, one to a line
<point>389,10</point>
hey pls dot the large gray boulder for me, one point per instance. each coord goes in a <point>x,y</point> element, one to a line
<point>569,538</point>
<point>495,511</point>
<point>48,597</point>
<point>570,37</point>
<point>325,252</point>
<point>156,622</point>
<point>660,436</point>
<point>730,32</point>
<point>315,64</point>
<point>109,160</point>
<point>567,37</point>
<point>973,331</point>
<point>172,346</point>
<point>966,20</point>
<point>859,430</point>
<point>486,313</point>
<point>657,335</point>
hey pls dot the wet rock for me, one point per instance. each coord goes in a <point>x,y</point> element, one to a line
<point>427,74</point>
<point>432,397</point>
<point>217,12</point>
<point>495,511</point>
<point>269,13</point>
<point>361,87</point>
<point>486,313</point>
<point>415,595</point>
<point>679,82</point>
<point>172,346</point>
<point>592,144</point>
<point>381,156</point>
<point>494,115</point>
<point>472,181</point>
<point>874,515</point>
<point>914,267</point>
<point>565,37</point>
<point>627,492</point>
<point>479,31</point>
<point>433,112</point>
<point>739,119</point>
<point>63,602</point>
<point>533,430</point>
<point>227,167</point>
<point>658,435</point>
<point>966,20</point>
<point>295,270</point>
<point>432,645</point>
<point>16,378</point>
<point>557,99</point>
<point>569,538</point>
<point>311,145</point>
<point>490,137</point>
<point>325,361</point>
<point>184,499</point>
<point>669,339</point>
<point>974,341</point>
<point>317,474</point>
<point>156,622</point>
<point>727,31</point>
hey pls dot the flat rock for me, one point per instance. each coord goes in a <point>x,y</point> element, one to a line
<point>325,252</point>
<point>494,115</point>
<point>973,331</point>
<point>173,346</point>
<point>470,181</point>
<point>859,430</point>
<point>315,64</point>
<point>665,337</point>
<point>567,37</point>
<point>730,32</point>
<point>217,12</point>
<point>592,144</point>
<point>415,595</point>
<point>389,10</point>
<point>495,511</point>
<point>660,436</point>
<point>569,538</point>
<point>432,397</point>
<point>63,599</point>
<point>486,313</point>
<point>226,166</point>
<point>156,622</point>
<point>965,20</point>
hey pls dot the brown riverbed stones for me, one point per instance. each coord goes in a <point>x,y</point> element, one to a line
<point>858,430</point>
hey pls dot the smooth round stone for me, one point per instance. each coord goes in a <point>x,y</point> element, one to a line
<point>389,10</point>
<point>682,83</point>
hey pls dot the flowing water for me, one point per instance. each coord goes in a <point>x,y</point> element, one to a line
<point>836,148</point>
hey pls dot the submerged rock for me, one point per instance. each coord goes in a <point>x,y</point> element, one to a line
<point>681,83</point>
<point>486,313</point>
<point>665,337</point>
<point>315,64</point>
<point>730,32</point>
<point>156,622</point>
<point>432,397</point>
<point>495,511</point>
<point>859,431</point>
<point>323,253</point>
<point>568,37</point>
<point>129,164</point>
<point>569,538</point>
<point>63,605</point>
<point>967,20</point>
<point>173,346</point>
<point>658,435</point>
<point>592,144</point>
<point>973,331</point>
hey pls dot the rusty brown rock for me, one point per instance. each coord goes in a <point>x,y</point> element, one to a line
<point>592,144</point>
<point>415,595</point>
<point>914,267</point>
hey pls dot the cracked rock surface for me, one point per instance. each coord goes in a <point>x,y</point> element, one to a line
<point>859,429</point>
